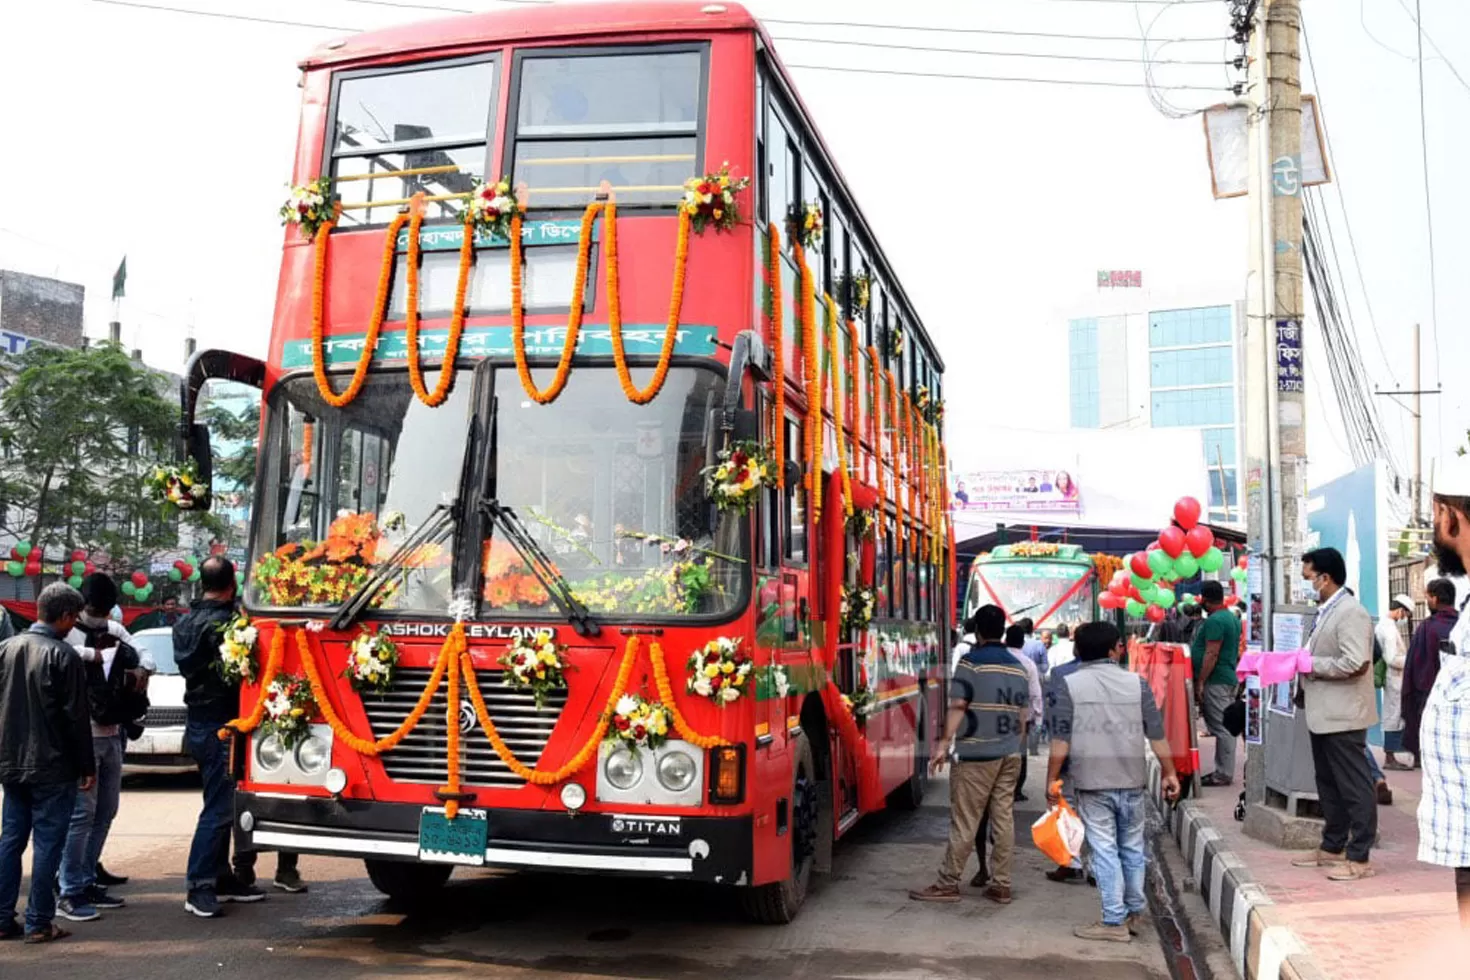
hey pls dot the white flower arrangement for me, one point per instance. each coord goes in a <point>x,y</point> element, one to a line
<point>858,606</point>
<point>535,663</point>
<point>310,206</point>
<point>638,723</point>
<point>372,660</point>
<point>237,650</point>
<point>736,480</point>
<point>493,205</point>
<point>710,200</point>
<point>288,709</point>
<point>719,671</point>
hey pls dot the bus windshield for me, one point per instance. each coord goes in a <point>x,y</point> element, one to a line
<point>342,488</point>
<point>1033,589</point>
<point>614,494</point>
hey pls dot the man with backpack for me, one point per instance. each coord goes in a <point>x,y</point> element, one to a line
<point>116,695</point>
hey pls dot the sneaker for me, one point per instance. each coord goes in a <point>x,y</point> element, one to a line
<point>235,891</point>
<point>107,879</point>
<point>936,893</point>
<point>97,897</point>
<point>289,881</point>
<point>1352,871</point>
<point>1103,932</point>
<point>1319,859</point>
<point>77,909</point>
<point>1136,922</point>
<point>204,903</point>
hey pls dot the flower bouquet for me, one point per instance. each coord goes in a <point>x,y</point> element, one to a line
<point>719,671</point>
<point>861,702</point>
<point>371,661</point>
<point>638,723</point>
<point>736,480</point>
<point>176,486</point>
<point>493,206</point>
<point>858,606</point>
<point>860,522</point>
<point>806,224</point>
<point>237,650</point>
<point>535,664</point>
<point>310,206</point>
<point>288,709</point>
<point>710,200</point>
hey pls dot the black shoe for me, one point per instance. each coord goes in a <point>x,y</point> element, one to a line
<point>235,891</point>
<point>11,930</point>
<point>289,881</point>
<point>981,879</point>
<point>1064,874</point>
<point>107,879</point>
<point>1214,779</point>
<point>98,898</point>
<point>1021,798</point>
<point>204,903</point>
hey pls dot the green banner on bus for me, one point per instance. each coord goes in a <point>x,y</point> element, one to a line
<point>638,339</point>
<point>443,238</point>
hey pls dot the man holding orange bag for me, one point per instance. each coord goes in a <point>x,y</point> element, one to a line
<point>1103,715</point>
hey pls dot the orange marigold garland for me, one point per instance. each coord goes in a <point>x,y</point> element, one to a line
<point>250,722</point>
<point>778,344</point>
<point>454,653</point>
<point>666,696</point>
<point>895,429</point>
<point>875,434</point>
<point>838,398</point>
<point>642,396</point>
<point>435,398</point>
<point>375,325</point>
<point>911,472</point>
<point>574,316</point>
<point>807,314</point>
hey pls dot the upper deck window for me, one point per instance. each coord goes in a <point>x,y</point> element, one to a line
<point>432,120</point>
<point>631,119</point>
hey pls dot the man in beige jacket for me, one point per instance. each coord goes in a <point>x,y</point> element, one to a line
<point>1340,706</point>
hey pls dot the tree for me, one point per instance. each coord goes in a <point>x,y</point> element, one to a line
<point>82,429</point>
<point>234,440</point>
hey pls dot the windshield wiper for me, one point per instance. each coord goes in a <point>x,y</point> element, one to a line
<point>437,526</point>
<point>542,567</point>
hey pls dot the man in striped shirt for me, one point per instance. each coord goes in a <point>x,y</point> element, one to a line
<point>988,695</point>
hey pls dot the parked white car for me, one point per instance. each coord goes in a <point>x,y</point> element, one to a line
<point>161,749</point>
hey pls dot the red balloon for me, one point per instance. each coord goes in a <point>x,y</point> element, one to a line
<point>1133,592</point>
<point>186,569</point>
<point>139,579</point>
<point>1138,561</point>
<point>1155,614</point>
<point>79,555</point>
<point>1186,512</point>
<point>1199,540</point>
<point>33,567</point>
<point>1152,546</point>
<point>1171,539</point>
<point>90,569</point>
<point>1108,601</point>
<point>1244,562</point>
<point>1118,588</point>
<point>1232,599</point>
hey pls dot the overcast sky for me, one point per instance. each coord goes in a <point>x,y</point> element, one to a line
<point>169,137</point>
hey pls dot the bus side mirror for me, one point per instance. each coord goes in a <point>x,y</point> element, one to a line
<point>747,425</point>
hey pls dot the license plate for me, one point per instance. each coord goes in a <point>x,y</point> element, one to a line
<point>458,841</point>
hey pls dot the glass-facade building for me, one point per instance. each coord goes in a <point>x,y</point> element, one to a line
<point>1191,383</point>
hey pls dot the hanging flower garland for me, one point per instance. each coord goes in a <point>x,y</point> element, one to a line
<point>642,396</point>
<point>860,522</point>
<point>895,429</point>
<point>859,603</point>
<point>435,398</point>
<point>711,200</point>
<point>734,483</point>
<point>638,723</point>
<point>310,206</point>
<point>853,401</point>
<point>372,661</point>
<point>375,324</point>
<point>237,651</point>
<point>176,487</point>
<point>895,342</point>
<point>574,315</point>
<point>805,224</point>
<point>778,344</point>
<point>493,207</point>
<point>719,671</point>
<point>875,434</point>
<point>838,398</point>
<point>811,365</point>
<point>288,709</point>
<point>911,472</point>
<point>536,664</point>
<point>855,291</point>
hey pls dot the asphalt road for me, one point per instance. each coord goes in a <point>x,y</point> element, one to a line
<point>858,922</point>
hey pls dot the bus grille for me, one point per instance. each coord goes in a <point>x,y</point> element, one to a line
<point>420,757</point>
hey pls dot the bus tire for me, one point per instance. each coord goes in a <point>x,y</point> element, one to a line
<point>406,880</point>
<point>779,902</point>
<point>910,796</point>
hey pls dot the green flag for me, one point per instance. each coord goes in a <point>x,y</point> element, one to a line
<point>120,278</point>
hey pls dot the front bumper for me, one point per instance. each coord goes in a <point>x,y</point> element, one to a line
<point>714,849</point>
<point>159,750</point>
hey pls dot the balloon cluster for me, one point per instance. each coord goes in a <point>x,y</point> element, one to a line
<point>185,571</point>
<point>1144,586</point>
<point>25,560</point>
<point>137,587</point>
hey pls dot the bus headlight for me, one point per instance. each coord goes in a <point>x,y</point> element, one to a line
<point>270,753</point>
<point>623,769</point>
<point>676,771</point>
<point>312,755</point>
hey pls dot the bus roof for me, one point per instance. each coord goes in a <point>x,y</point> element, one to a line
<point>532,22</point>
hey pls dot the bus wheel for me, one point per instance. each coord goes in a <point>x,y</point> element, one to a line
<point>779,902</point>
<point>406,881</point>
<point>910,796</point>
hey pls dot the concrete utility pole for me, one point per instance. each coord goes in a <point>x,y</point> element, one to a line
<point>1415,409</point>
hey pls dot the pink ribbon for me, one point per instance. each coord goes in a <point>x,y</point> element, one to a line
<point>1275,666</point>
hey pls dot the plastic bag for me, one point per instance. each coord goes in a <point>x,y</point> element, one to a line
<point>1058,833</point>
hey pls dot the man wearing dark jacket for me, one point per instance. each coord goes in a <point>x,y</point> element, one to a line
<point>1421,669</point>
<point>45,757</point>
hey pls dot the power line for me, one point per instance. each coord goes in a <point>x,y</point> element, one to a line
<point>1002,78</point>
<point>1131,39</point>
<point>1428,200</point>
<point>1424,36</point>
<point>224,16</point>
<point>999,54</point>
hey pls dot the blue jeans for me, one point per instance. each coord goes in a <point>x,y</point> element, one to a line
<point>1373,767</point>
<point>1114,820</point>
<point>91,819</point>
<point>42,810</point>
<point>209,854</point>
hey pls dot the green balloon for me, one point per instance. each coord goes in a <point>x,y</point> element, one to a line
<point>1159,561</point>
<point>1186,565</point>
<point>23,549</point>
<point>194,576</point>
<point>143,593</point>
<point>78,567</point>
<point>129,589</point>
<point>174,575</point>
<point>1164,598</point>
<point>1136,609</point>
<point>1212,561</point>
<point>239,578</point>
<point>1238,574</point>
<point>75,581</point>
<point>1141,583</point>
<point>15,568</point>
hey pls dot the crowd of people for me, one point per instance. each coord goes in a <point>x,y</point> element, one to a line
<point>73,691</point>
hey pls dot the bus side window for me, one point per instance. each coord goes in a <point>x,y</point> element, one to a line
<point>793,518</point>
<point>881,574</point>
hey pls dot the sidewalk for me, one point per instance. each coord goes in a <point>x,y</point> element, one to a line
<point>1402,923</point>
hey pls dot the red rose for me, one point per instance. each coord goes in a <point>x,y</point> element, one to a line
<point>639,733</point>
<point>737,458</point>
<point>705,187</point>
<point>622,723</point>
<point>716,681</point>
<point>710,658</point>
<point>739,659</point>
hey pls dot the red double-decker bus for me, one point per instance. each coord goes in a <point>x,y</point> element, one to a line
<point>600,518</point>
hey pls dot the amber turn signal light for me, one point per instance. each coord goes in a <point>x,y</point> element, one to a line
<point>727,774</point>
